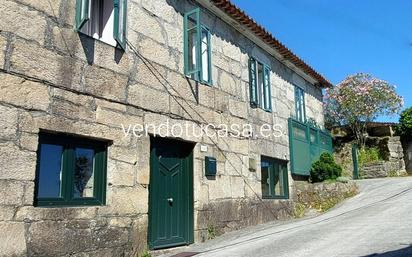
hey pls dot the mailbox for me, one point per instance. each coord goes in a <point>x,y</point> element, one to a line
<point>210,166</point>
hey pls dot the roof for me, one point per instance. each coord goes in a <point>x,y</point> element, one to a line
<point>241,17</point>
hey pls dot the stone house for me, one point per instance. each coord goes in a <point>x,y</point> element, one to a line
<point>80,83</point>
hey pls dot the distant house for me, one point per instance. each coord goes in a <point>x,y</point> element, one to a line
<point>77,76</point>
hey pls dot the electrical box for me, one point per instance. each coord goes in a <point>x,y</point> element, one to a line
<point>210,166</point>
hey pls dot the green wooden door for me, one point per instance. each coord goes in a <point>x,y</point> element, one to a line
<point>170,193</point>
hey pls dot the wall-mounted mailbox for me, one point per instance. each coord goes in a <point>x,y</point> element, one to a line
<point>210,166</point>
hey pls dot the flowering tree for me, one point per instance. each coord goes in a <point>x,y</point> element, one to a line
<point>359,99</point>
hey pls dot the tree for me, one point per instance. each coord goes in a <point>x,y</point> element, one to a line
<point>360,99</point>
<point>404,128</point>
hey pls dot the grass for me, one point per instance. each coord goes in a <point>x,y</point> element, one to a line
<point>146,253</point>
<point>211,232</point>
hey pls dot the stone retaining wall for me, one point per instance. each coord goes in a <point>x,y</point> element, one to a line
<point>323,196</point>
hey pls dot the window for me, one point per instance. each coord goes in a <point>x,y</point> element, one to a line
<point>259,80</point>
<point>104,20</point>
<point>300,104</point>
<point>71,171</point>
<point>274,180</point>
<point>197,48</point>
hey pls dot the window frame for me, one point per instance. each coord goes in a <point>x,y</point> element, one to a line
<point>300,105</point>
<point>197,72</point>
<point>276,165</point>
<point>258,92</point>
<point>69,143</point>
<point>83,15</point>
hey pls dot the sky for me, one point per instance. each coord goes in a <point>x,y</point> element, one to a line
<point>343,37</point>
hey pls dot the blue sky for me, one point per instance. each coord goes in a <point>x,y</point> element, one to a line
<point>343,37</point>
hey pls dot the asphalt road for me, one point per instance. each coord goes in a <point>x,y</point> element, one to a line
<point>376,222</point>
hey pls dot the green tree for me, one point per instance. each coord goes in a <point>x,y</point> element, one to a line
<point>360,99</point>
<point>404,128</point>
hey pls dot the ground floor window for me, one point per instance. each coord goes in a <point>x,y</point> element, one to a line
<point>71,171</point>
<point>274,180</point>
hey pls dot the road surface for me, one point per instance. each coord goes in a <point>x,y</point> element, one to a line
<point>376,222</point>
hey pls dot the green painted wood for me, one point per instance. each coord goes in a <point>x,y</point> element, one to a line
<point>267,94</point>
<point>306,144</point>
<point>355,161</point>
<point>189,18</point>
<point>120,22</point>
<point>253,83</point>
<point>170,194</point>
<point>82,13</point>
<point>69,143</point>
<point>278,175</point>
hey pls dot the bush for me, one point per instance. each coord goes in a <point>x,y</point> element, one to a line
<point>369,155</point>
<point>325,168</point>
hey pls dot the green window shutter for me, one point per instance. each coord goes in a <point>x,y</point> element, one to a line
<point>206,56</point>
<point>300,104</point>
<point>267,101</point>
<point>120,22</point>
<point>253,83</point>
<point>192,43</point>
<point>82,13</point>
<point>303,106</point>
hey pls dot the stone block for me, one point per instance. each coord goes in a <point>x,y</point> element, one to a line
<point>32,60</point>
<point>73,111</point>
<point>238,186</point>
<point>174,36</point>
<point>219,188</point>
<point>180,86</point>
<point>126,201</point>
<point>13,241</point>
<point>57,238</point>
<point>117,119</point>
<point>162,10</point>
<point>29,141</point>
<point>23,21</point>
<point>51,8</point>
<point>112,236</point>
<point>105,83</point>
<point>16,164</point>
<point>238,108</point>
<point>8,123</point>
<point>206,96</point>
<point>157,53</point>
<point>12,192</point>
<point>148,98</point>
<point>121,173</point>
<point>7,213</point>
<point>146,23</point>
<point>31,213</point>
<point>3,46</point>
<point>24,93</point>
<point>228,84</point>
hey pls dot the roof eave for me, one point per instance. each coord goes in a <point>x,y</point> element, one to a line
<point>235,17</point>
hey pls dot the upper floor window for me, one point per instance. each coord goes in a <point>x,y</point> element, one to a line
<point>71,171</point>
<point>300,111</point>
<point>274,179</point>
<point>259,80</point>
<point>104,20</point>
<point>197,48</point>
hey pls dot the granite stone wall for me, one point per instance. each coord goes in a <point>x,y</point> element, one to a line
<point>55,79</point>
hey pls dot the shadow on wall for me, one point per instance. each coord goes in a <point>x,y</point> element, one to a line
<point>404,252</point>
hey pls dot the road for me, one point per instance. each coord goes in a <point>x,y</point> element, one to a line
<point>376,222</point>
